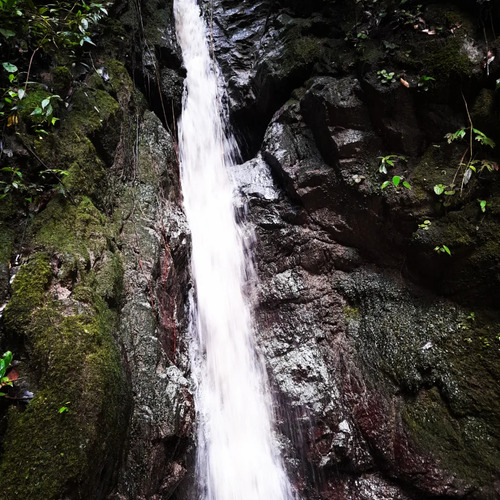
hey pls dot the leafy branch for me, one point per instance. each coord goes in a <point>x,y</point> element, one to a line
<point>468,160</point>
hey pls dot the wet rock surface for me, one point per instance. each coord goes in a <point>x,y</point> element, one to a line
<point>373,349</point>
<point>152,321</point>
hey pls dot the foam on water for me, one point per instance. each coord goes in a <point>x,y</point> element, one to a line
<point>237,457</point>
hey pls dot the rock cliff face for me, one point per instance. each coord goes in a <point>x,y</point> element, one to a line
<point>377,308</point>
<point>385,378</point>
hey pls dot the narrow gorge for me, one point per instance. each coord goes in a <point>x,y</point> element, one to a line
<point>311,232</point>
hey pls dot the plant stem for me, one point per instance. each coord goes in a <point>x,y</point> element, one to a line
<point>29,67</point>
<point>471,131</point>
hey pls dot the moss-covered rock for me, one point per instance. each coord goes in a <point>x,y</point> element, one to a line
<point>445,58</point>
<point>61,80</point>
<point>79,230</point>
<point>71,432</point>
<point>28,290</point>
<point>444,362</point>
<point>60,322</point>
<point>458,423</point>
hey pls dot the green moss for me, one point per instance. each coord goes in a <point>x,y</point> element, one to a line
<point>33,99</point>
<point>61,80</point>
<point>109,278</point>
<point>461,430</point>
<point>428,417</point>
<point>76,230</point>
<point>444,58</point>
<point>94,81</point>
<point>6,242</point>
<point>46,452</point>
<point>94,120</point>
<point>28,289</point>
<point>483,113</point>
<point>441,165</point>
<point>459,232</point>
<point>351,313</point>
<point>87,171</point>
<point>61,311</point>
<point>72,356</point>
<point>300,51</point>
<point>91,109</point>
<point>119,79</point>
<point>308,49</point>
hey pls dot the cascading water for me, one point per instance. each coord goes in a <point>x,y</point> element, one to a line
<point>237,458</point>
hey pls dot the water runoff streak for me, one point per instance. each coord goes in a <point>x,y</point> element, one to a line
<point>236,459</point>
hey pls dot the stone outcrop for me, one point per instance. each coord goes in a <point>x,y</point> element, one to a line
<point>376,340</point>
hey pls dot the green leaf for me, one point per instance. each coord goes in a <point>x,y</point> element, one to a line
<point>64,408</point>
<point>384,184</point>
<point>45,103</point>
<point>5,362</point>
<point>439,189</point>
<point>446,249</point>
<point>406,185</point>
<point>86,39</point>
<point>9,67</point>
<point>12,77</point>
<point>482,204</point>
<point>7,33</point>
<point>396,180</point>
<point>459,134</point>
<point>21,93</point>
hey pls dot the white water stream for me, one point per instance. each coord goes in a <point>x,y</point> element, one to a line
<point>237,457</point>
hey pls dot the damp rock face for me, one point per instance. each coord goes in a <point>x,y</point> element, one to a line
<point>378,341</point>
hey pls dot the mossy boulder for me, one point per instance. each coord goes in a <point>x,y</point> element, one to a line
<point>85,144</point>
<point>71,432</point>
<point>445,58</point>
<point>61,320</point>
<point>440,362</point>
<point>456,420</point>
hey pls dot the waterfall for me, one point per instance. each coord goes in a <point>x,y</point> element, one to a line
<point>237,457</point>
